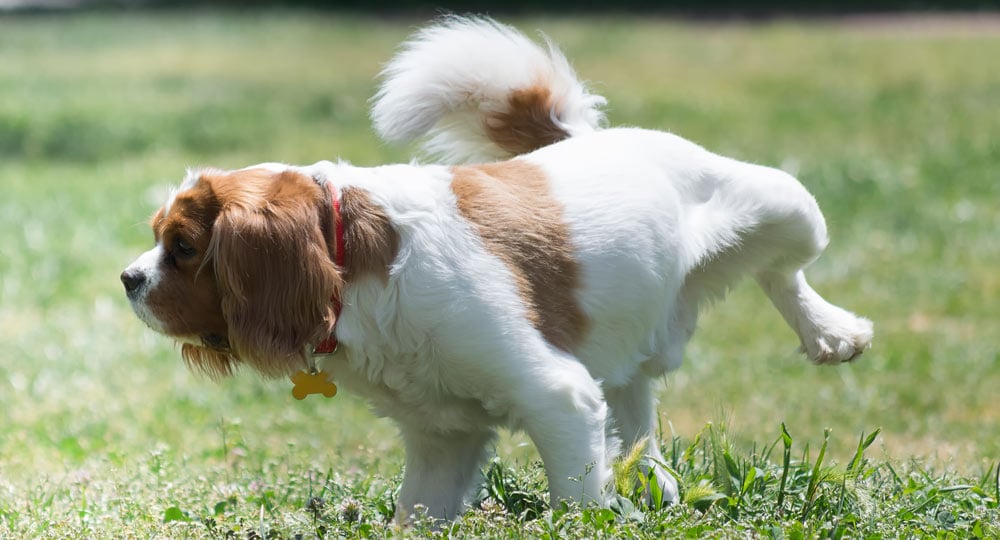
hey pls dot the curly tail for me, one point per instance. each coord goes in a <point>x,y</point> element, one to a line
<point>481,91</point>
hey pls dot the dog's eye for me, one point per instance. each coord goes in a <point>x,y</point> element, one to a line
<point>182,248</point>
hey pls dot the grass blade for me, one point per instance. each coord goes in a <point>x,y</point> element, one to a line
<point>996,486</point>
<point>786,439</point>
<point>814,478</point>
<point>863,444</point>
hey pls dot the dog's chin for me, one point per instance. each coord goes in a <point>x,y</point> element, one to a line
<point>214,362</point>
<point>146,316</point>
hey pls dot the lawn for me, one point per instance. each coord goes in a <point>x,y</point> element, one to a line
<point>893,126</point>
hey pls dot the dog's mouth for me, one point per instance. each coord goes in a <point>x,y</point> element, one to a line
<point>215,342</point>
<point>146,316</point>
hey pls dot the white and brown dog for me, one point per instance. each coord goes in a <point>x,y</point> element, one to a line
<point>544,288</point>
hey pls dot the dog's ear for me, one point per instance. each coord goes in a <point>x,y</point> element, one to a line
<point>276,280</point>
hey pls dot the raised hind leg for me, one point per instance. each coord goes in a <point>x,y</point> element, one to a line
<point>829,334</point>
<point>773,229</point>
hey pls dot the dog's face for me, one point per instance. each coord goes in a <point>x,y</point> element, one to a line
<point>241,271</point>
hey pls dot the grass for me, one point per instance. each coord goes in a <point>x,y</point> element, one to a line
<point>893,129</point>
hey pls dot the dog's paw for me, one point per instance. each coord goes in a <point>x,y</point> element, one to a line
<point>837,336</point>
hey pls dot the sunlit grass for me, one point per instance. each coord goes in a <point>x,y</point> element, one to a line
<point>103,431</point>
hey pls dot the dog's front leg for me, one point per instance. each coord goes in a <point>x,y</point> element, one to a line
<point>441,469</point>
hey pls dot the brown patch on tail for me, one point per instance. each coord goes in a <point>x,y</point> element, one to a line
<point>520,222</point>
<point>527,124</point>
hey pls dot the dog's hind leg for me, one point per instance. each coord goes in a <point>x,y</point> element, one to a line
<point>763,221</point>
<point>793,233</point>
<point>788,233</point>
<point>829,334</point>
<point>633,412</point>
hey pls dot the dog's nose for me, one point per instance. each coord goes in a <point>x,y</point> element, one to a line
<point>133,280</point>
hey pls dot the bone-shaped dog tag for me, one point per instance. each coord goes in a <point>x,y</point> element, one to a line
<point>307,383</point>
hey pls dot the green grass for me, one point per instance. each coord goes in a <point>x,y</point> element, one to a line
<point>895,130</point>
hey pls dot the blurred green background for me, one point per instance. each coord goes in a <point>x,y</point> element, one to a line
<point>893,124</point>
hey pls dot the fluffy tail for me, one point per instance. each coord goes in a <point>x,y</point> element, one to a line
<point>481,91</point>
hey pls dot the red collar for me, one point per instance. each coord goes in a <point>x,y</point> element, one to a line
<point>329,345</point>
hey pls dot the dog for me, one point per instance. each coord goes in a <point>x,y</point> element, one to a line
<point>541,276</point>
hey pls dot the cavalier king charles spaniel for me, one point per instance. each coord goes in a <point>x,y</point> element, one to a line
<point>541,278</point>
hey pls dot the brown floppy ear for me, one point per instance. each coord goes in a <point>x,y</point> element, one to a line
<point>276,280</point>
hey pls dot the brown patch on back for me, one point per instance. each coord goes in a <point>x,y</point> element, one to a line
<point>521,223</point>
<point>370,241</point>
<point>528,122</point>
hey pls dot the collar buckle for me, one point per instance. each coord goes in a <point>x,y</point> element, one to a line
<point>327,347</point>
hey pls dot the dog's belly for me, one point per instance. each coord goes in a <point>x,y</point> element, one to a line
<point>419,400</point>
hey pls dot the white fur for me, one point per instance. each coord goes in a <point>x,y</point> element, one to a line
<point>147,265</point>
<point>191,178</point>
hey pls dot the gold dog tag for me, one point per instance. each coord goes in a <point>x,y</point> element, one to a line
<point>307,383</point>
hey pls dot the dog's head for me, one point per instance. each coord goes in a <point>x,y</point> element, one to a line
<point>242,271</point>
